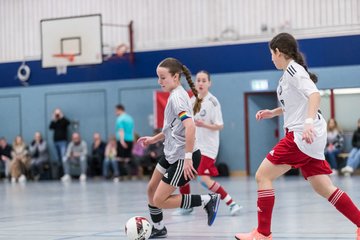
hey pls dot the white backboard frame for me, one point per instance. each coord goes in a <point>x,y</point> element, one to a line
<point>79,35</point>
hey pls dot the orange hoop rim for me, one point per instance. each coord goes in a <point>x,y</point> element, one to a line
<point>70,57</point>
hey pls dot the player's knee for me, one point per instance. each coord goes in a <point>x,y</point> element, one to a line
<point>150,190</point>
<point>259,177</point>
<point>158,201</point>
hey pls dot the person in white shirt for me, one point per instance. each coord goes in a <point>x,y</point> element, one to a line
<point>181,155</point>
<point>304,143</point>
<point>208,123</point>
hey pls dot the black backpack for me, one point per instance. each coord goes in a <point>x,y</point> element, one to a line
<point>223,169</point>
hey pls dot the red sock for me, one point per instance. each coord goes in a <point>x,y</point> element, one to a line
<point>185,189</point>
<point>343,204</point>
<point>217,188</point>
<point>265,203</point>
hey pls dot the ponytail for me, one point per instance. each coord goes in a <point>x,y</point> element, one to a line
<point>198,100</point>
<point>288,45</point>
<point>300,60</point>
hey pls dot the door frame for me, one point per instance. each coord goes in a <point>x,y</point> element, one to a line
<point>246,122</point>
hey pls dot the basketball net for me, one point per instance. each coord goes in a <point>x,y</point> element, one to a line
<point>62,62</point>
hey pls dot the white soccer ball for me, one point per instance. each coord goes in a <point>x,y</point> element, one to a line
<point>138,228</point>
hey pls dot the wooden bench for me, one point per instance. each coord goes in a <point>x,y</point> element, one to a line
<point>343,156</point>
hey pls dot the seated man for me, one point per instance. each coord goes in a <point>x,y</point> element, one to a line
<point>39,155</point>
<point>96,157</point>
<point>75,152</point>
<point>5,156</point>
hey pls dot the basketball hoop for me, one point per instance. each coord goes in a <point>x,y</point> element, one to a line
<point>62,61</point>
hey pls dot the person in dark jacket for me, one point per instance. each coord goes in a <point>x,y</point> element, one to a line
<point>59,125</point>
<point>5,155</point>
<point>97,155</point>
<point>353,160</point>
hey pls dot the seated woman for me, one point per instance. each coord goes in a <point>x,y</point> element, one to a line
<point>39,155</point>
<point>334,144</point>
<point>353,160</point>
<point>20,160</point>
<point>111,159</point>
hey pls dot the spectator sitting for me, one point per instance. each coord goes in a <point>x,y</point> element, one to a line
<point>5,156</point>
<point>39,155</point>
<point>97,156</point>
<point>152,153</point>
<point>20,160</point>
<point>353,160</point>
<point>75,152</point>
<point>334,145</point>
<point>111,158</point>
<point>138,153</point>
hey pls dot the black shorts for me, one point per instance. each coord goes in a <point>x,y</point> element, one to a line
<point>174,173</point>
<point>124,152</point>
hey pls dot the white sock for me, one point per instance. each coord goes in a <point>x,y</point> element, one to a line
<point>205,199</point>
<point>159,225</point>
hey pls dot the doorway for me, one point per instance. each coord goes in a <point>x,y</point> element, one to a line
<point>260,136</point>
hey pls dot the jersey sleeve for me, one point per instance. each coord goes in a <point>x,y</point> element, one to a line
<point>182,107</point>
<point>119,124</point>
<point>216,115</point>
<point>302,81</point>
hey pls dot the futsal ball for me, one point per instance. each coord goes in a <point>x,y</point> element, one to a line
<point>138,228</point>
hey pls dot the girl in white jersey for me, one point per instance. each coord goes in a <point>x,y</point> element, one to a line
<point>181,156</point>
<point>304,143</point>
<point>208,123</point>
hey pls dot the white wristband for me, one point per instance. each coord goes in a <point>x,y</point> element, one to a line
<point>309,121</point>
<point>188,155</point>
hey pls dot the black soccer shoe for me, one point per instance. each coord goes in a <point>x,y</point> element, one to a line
<point>211,207</point>
<point>155,233</point>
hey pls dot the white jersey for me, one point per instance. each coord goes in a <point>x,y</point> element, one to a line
<point>178,108</point>
<point>294,89</point>
<point>210,112</point>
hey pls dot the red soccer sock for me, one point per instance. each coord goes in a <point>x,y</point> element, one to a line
<point>345,205</point>
<point>185,189</point>
<point>217,188</point>
<point>265,203</point>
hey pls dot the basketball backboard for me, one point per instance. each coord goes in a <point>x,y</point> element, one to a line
<point>79,36</point>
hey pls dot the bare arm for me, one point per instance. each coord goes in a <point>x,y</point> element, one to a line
<point>189,134</point>
<point>314,104</point>
<point>277,111</point>
<point>190,128</point>
<point>214,127</point>
<point>266,113</point>
<point>309,132</point>
<point>121,135</point>
<point>146,140</point>
<point>158,137</point>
